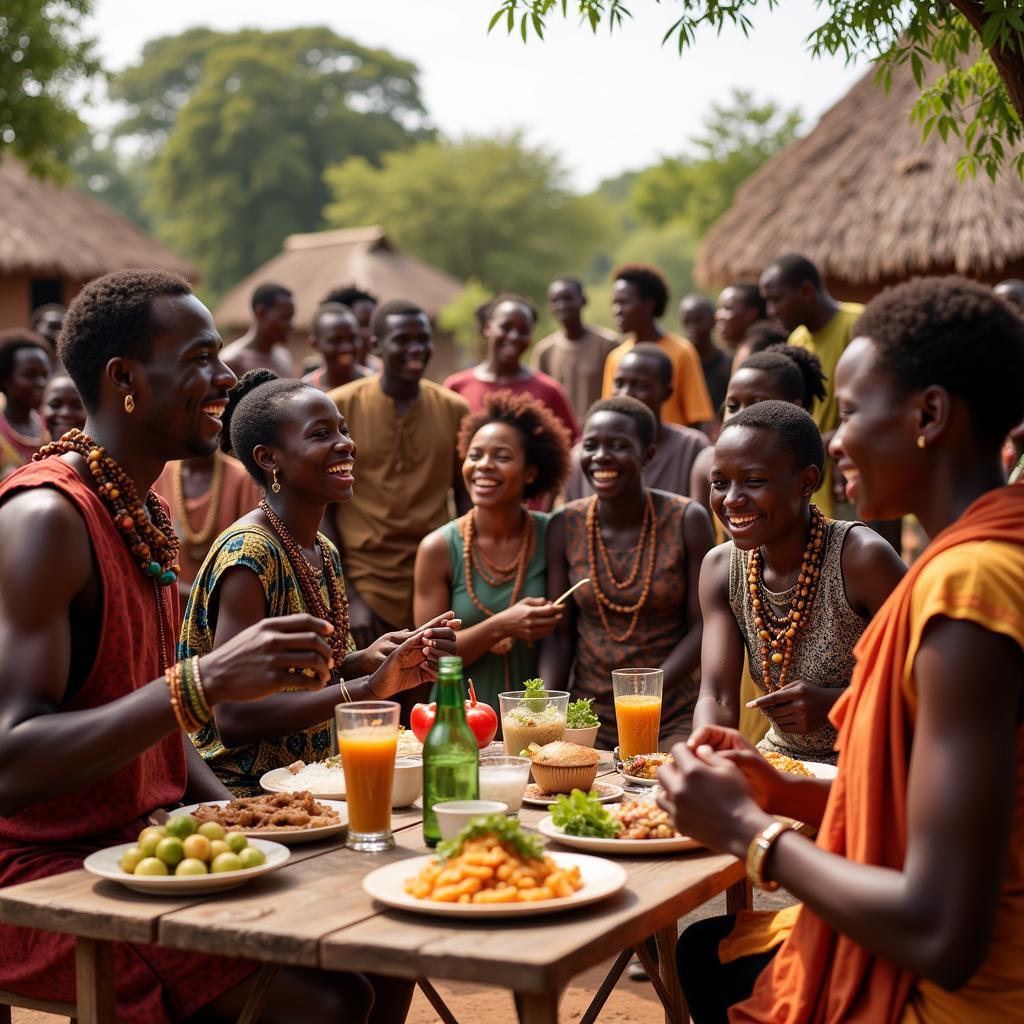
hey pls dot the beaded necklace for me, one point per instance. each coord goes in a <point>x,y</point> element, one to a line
<point>309,584</point>
<point>198,540</point>
<point>595,542</point>
<point>777,634</point>
<point>150,538</point>
<point>496,575</point>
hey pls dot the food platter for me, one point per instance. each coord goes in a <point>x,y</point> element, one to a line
<point>290,837</point>
<point>271,782</point>
<point>606,792</point>
<point>601,879</point>
<point>821,771</point>
<point>621,847</point>
<point>107,864</point>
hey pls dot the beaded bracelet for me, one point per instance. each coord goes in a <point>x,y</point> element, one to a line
<point>175,691</point>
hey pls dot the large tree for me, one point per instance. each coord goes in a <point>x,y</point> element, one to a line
<point>491,209</point>
<point>974,88</point>
<point>45,62</point>
<point>244,124</point>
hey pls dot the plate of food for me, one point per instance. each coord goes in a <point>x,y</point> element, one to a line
<point>604,792</point>
<point>288,818</point>
<point>634,827</point>
<point>494,869</point>
<point>808,769</point>
<point>183,857</point>
<point>641,769</point>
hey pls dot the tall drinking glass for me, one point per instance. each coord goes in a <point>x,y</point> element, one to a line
<point>367,740</point>
<point>637,693</point>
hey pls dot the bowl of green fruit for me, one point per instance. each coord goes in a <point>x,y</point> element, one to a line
<point>581,722</point>
<point>184,856</point>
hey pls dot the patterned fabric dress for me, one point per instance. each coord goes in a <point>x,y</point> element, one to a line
<point>258,550</point>
<point>661,623</point>
<point>823,654</point>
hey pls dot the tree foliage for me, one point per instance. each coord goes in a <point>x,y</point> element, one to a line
<point>244,124</point>
<point>967,56</point>
<point>492,209</point>
<point>44,58</point>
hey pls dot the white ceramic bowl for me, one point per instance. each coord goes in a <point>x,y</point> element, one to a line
<point>504,779</point>
<point>454,815</point>
<point>408,781</point>
<point>584,737</point>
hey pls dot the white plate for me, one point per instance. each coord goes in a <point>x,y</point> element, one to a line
<point>625,847</point>
<point>607,793</point>
<point>271,782</point>
<point>601,879</point>
<point>295,835</point>
<point>821,771</point>
<point>107,864</point>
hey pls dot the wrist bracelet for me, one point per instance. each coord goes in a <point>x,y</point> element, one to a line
<point>346,696</point>
<point>757,852</point>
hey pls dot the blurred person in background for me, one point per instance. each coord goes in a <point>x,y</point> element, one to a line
<point>334,334</point>
<point>26,361</point>
<point>697,319</point>
<point>262,347</point>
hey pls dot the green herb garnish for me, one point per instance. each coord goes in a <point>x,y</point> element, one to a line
<point>582,814</point>
<point>505,829</point>
<point>534,688</point>
<point>580,715</point>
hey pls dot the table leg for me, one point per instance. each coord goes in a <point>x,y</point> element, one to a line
<point>654,976</point>
<point>739,896</point>
<point>94,978</point>
<point>537,1007</point>
<point>666,940</point>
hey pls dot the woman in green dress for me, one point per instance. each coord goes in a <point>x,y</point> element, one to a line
<point>489,565</point>
<point>273,561</point>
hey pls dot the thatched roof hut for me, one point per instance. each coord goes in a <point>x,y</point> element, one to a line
<point>54,238</point>
<point>312,264</point>
<point>871,203</point>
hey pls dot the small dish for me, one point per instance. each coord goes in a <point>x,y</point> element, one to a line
<point>454,815</point>
<point>292,836</point>
<point>605,792</point>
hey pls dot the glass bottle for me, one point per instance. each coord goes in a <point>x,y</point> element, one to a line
<point>451,757</point>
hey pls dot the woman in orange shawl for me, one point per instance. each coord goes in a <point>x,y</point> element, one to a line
<point>913,894</point>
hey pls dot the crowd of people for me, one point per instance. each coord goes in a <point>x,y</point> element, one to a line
<point>206,549</point>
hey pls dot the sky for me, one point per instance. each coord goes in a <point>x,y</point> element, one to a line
<point>604,104</point>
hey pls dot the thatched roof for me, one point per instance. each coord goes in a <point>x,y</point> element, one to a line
<point>50,230</point>
<point>869,202</point>
<point>311,265</point>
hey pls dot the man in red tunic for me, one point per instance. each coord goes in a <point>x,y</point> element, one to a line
<point>89,741</point>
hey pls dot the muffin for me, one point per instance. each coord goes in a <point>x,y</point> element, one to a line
<point>561,767</point>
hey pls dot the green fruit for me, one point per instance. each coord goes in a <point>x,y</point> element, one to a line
<point>197,847</point>
<point>252,857</point>
<point>148,838</point>
<point>217,847</point>
<point>226,862</point>
<point>151,866</point>
<point>237,842</point>
<point>190,866</point>
<point>130,859</point>
<point>212,830</point>
<point>170,850</point>
<point>181,825</point>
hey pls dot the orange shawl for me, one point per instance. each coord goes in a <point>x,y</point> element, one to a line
<point>819,976</point>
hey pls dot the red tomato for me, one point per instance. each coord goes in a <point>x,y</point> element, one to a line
<point>481,719</point>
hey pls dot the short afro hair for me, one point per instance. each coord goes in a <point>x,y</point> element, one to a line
<point>751,297</point>
<point>956,334</point>
<point>649,283</point>
<point>330,309</point>
<point>113,316</point>
<point>763,334</point>
<point>796,371</point>
<point>545,439</point>
<point>654,357</point>
<point>396,307</point>
<point>642,417</point>
<point>794,427</point>
<point>15,340</point>
<point>266,296</point>
<point>349,296</point>
<point>254,415</point>
<point>486,310</point>
<point>573,282</point>
<point>793,269</point>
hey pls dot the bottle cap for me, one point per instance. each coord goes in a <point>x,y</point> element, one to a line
<point>449,664</point>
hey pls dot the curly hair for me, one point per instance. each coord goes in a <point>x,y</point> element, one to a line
<point>485,311</point>
<point>642,417</point>
<point>797,371</point>
<point>956,334</point>
<point>14,340</point>
<point>649,283</point>
<point>545,439</point>
<point>394,307</point>
<point>796,430</point>
<point>113,316</point>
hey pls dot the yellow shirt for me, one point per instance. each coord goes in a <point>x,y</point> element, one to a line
<point>828,344</point>
<point>689,402</point>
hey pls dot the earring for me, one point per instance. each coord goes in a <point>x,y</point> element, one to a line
<point>275,486</point>
<point>921,442</point>
<point>129,403</point>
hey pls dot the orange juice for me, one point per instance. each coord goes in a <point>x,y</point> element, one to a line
<point>638,717</point>
<point>368,758</point>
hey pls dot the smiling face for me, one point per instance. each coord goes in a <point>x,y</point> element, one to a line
<point>508,333</point>
<point>406,347</point>
<point>62,407</point>
<point>612,455</point>
<point>748,387</point>
<point>25,384</point>
<point>337,339</point>
<point>757,490</point>
<point>494,469</point>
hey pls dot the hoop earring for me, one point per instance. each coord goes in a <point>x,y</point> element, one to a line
<point>129,403</point>
<point>275,486</point>
<point>921,442</point>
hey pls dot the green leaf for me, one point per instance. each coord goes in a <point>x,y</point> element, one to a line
<point>582,814</point>
<point>506,830</point>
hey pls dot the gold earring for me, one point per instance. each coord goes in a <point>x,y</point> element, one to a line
<point>921,442</point>
<point>129,403</point>
<point>275,486</point>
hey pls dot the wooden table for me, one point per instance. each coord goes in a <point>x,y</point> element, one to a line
<point>314,913</point>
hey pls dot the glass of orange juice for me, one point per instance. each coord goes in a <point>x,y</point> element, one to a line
<point>367,740</point>
<point>637,693</point>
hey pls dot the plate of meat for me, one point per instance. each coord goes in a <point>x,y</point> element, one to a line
<point>288,818</point>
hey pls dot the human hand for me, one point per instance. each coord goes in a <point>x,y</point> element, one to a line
<point>438,635</point>
<point>798,707</point>
<point>262,659</point>
<point>764,780</point>
<point>410,664</point>
<point>531,618</point>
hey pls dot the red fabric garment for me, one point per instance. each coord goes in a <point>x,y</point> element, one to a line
<point>153,985</point>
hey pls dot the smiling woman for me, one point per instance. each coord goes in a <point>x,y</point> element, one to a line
<point>25,364</point>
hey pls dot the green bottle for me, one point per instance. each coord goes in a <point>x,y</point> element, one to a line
<point>451,757</point>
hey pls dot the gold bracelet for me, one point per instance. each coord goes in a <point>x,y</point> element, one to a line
<point>203,708</point>
<point>344,692</point>
<point>757,852</point>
